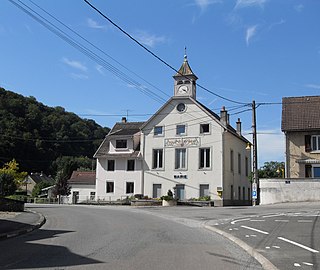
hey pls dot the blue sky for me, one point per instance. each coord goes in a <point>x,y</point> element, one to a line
<point>244,50</point>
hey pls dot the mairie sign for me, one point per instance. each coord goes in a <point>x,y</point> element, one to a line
<point>182,142</point>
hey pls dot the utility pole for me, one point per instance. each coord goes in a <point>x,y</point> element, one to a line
<point>255,156</point>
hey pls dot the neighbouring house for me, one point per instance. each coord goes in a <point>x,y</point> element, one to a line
<point>184,147</point>
<point>34,178</point>
<point>301,125</point>
<point>119,163</point>
<point>83,187</point>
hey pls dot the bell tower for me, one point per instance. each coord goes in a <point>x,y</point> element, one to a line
<point>185,80</point>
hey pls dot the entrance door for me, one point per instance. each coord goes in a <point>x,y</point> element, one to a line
<point>156,191</point>
<point>180,193</point>
<point>75,197</point>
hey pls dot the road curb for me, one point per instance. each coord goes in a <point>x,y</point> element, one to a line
<point>266,264</point>
<point>28,228</point>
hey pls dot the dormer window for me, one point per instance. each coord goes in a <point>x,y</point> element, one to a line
<point>187,82</point>
<point>121,144</point>
<point>180,82</point>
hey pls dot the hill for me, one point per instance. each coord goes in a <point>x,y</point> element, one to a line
<point>36,135</point>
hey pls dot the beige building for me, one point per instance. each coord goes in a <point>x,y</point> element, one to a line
<point>301,125</point>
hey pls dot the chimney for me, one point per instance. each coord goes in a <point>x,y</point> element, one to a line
<point>124,120</point>
<point>239,127</point>
<point>224,116</point>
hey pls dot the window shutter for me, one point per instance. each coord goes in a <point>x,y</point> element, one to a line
<point>307,143</point>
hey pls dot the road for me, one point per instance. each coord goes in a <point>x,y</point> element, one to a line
<point>93,237</point>
<point>285,234</point>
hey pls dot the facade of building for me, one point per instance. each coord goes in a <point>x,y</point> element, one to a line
<point>83,187</point>
<point>301,125</point>
<point>184,147</point>
<point>119,163</point>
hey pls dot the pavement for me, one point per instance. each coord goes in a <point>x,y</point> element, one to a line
<point>16,223</point>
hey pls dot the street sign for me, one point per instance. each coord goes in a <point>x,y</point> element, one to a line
<point>254,194</point>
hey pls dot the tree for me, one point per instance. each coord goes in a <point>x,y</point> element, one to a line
<point>7,184</point>
<point>62,187</point>
<point>272,169</point>
<point>37,188</point>
<point>12,168</point>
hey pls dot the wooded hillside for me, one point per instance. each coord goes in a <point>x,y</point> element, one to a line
<point>36,135</point>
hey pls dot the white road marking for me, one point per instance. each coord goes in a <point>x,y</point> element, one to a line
<point>297,244</point>
<point>304,221</point>
<point>267,247</point>
<point>297,265</point>
<point>253,229</point>
<point>235,221</point>
<point>306,263</point>
<point>275,246</point>
<point>274,215</point>
<point>281,220</point>
<point>247,235</point>
<point>253,235</point>
<point>257,220</point>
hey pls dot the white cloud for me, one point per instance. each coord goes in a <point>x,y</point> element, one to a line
<point>250,32</point>
<point>203,4</point>
<point>100,69</point>
<point>93,24</point>
<point>149,39</point>
<point>313,86</point>
<point>250,3</point>
<point>282,21</point>
<point>78,76</point>
<point>74,64</point>
<point>299,7</point>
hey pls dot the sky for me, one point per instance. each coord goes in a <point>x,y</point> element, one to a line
<point>241,50</point>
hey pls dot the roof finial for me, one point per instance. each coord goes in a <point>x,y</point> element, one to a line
<point>185,53</point>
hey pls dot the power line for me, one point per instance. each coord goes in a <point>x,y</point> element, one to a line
<point>156,56</point>
<point>64,36</point>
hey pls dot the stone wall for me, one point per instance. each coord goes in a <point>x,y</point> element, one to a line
<point>289,190</point>
<point>8,205</point>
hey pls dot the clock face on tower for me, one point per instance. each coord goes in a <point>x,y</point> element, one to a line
<point>183,89</point>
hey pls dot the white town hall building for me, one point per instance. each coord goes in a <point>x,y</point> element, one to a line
<point>184,147</point>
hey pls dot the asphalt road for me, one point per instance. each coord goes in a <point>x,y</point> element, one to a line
<point>91,237</point>
<point>288,235</point>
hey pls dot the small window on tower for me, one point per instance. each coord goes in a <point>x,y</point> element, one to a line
<point>180,82</point>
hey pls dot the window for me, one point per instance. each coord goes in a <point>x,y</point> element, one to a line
<point>130,165</point>
<point>110,187</point>
<point>308,169</point>
<point>239,193</point>
<point>158,131</point>
<point>315,143</point>
<point>239,163</point>
<point>204,159</point>
<point>244,193</point>
<point>129,187</point>
<point>204,129</point>
<point>121,144</point>
<point>180,162</point>
<point>204,190</point>
<point>92,195</point>
<point>247,166</point>
<point>316,172</point>
<point>111,164</point>
<point>231,160</point>
<point>157,156</point>
<point>181,130</point>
